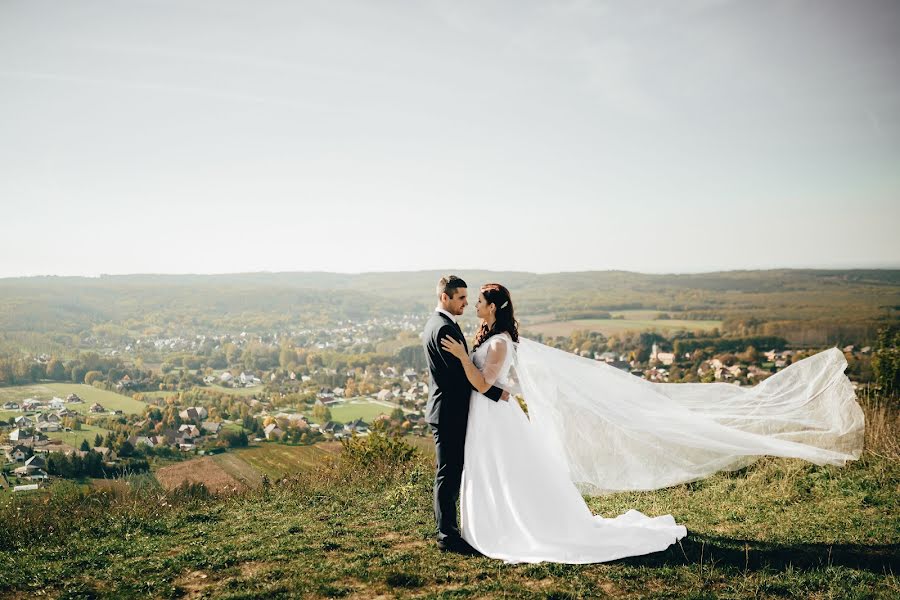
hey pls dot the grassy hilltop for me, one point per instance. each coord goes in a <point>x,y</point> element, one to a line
<point>363,528</point>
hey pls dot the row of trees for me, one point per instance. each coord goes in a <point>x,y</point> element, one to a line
<point>886,361</point>
<point>92,465</point>
<point>90,367</point>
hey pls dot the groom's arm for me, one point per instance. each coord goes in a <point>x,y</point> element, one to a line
<point>494,393</point>
<point>452,376</point>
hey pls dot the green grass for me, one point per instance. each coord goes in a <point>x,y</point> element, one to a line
<point>777,529</point>
<point>74,438</point>
<point>158,394</point>
<point>636,320</point>
<point>239,391</point>
<point>258,390</point>
<point>359,409</point>
<point>89,394</point>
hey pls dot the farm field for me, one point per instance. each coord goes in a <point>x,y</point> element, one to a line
<point>158,394</point>
<point>243,469</point>
<point>74,438</point>
<point>244,392</point>
<point>88,393</point>
<point>278,460</point>
<point>636,320</point>
<point>362,408</point>
<point>203,470</point>
<point>238,469</point>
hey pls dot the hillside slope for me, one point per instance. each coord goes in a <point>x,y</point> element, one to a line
<point>363,529</point>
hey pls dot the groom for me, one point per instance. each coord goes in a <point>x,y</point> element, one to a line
<point>448,409</point>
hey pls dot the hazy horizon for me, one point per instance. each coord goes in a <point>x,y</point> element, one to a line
<point>458,271</point>
<point>220,137</point>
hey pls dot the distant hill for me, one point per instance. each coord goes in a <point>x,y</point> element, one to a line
<point>273,301</point>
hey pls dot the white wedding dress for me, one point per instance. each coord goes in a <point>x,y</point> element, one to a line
<point>592,428</point>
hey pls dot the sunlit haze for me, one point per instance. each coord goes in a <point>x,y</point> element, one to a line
<point>228,136</point>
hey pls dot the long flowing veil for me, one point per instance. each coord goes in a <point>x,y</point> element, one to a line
<point>615,431</point>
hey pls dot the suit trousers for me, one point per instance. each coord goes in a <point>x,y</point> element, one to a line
<point>449,446</point>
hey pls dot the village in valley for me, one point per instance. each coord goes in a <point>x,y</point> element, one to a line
<point>296,396</point>
<point>261,374</point>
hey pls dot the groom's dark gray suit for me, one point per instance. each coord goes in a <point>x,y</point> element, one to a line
<point>448,415</point>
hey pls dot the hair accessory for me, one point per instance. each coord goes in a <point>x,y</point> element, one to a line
<point>504,304</point>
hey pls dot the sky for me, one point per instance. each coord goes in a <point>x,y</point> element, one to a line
<point>225,136</point>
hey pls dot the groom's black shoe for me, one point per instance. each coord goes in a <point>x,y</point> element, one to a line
<point>457,546</point>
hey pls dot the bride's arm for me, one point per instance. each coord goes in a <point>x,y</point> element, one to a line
<point>493,363</point>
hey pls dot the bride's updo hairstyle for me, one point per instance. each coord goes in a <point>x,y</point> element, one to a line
<point>496,294</point>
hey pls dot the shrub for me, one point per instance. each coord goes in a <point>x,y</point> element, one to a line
<point>376,451</point>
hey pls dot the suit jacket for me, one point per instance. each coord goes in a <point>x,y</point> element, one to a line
<point>448,400</point>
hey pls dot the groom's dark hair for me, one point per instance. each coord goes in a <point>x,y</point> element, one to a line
<point>448,284</point>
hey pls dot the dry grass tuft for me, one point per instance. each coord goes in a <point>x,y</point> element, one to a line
<point>882,428</point>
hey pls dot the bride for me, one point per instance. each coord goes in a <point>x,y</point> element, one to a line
<point>592,428</point>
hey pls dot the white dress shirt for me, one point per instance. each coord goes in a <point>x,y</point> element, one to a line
<point>441,310</point>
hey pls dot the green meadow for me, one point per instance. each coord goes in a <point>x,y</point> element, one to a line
<point>353,409</point>
<point>89,394</point>
<point>629,320</point>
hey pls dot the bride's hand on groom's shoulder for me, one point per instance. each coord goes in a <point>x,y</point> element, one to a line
<point>454,347</point>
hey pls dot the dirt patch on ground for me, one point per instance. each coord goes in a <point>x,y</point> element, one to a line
<point>199,470</point>
<point>193,584</point>
<point>253,567</point>
<point>397,541</point>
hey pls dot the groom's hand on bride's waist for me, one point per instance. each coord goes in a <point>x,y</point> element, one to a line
<point>504,396</point>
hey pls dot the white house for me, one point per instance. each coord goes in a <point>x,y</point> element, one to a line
<point>141,439</point>
<point>211,427</point>
<point>189,430</point>
<point>248,379</point>
<point>16,453</point>
<point>226,377</point>
<point>273,431</point>
<point>193,413</point>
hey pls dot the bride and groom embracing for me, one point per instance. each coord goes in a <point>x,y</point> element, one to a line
<point>591,428</point>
